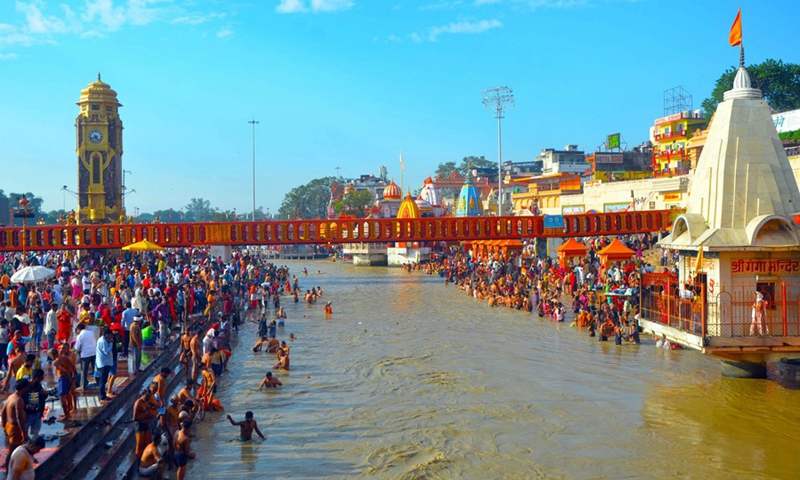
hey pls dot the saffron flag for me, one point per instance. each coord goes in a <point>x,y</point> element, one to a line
<point>698,265</point>
<point>735,37</point>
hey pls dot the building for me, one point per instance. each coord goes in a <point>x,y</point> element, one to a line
<point>669,137</point>
<point>99,151</point>
<point>569,160</point>
<point>739,245</point>
<point>546,193</point>
<point>469,202</point>
<point>616,166</point>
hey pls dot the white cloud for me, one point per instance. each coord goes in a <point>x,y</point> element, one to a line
<point>104,13</point>
<point>534,4</point>
<point>316,6</point>
<point>225,32</point>
<point>198,19</point>
<point>291,6</point>
<point>97,18</point>
<point>464,27</point>
<point>331,5</point>
<point>441,5</point>
<point>8,56</point>
<point>37,22</point>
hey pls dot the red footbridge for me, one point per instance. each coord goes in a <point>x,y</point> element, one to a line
<point>284,232</point>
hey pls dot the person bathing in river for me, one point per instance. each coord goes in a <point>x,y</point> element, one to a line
<point>270,382</point>
<point>283,360</point>
<point>246,427</point>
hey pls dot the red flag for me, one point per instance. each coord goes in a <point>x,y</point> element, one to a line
<point>735,37</point>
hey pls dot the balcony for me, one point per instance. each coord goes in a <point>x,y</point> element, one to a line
<point>669,155</point>
<point>660,137</point>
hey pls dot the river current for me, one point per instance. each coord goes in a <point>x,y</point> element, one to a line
<point>412,379</point>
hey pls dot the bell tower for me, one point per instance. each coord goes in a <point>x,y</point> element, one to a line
<point>98,140</point>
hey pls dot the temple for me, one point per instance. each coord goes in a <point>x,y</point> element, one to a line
<point>738,243</point>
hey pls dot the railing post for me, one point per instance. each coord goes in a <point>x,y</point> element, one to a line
<point>703,310</point>
<point>783,309</point>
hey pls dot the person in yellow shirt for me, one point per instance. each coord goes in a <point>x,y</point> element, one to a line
<point>26,370</point>
<point>85,315</point>
<point>4,281</point>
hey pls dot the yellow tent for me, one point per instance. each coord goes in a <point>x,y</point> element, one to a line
<point>143,246</point>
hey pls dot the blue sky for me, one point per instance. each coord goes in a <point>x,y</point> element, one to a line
<point>347,83</point>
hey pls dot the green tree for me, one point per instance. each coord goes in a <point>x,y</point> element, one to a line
<point>309,201</point>
<point>779,83</point>
<point>169,215</point>
<point>444,169</point>
<point>198,210</point>
<point>34,204</point>
<point>354,204</point>
<point>467,163</point>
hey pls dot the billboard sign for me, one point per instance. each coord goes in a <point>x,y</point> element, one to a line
<point>787,121</point>
<point>614,141</point>
<point>553,221</point>
<point>608,158</point>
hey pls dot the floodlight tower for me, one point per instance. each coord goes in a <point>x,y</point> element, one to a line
<point>498,99</point>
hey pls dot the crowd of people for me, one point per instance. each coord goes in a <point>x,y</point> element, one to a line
<point>97,312</point>
<point>603,299</point>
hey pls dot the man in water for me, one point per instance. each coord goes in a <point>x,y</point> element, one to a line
<point>183,449</point>
<point>151,465</point>
<point>270,382</point>
<point>283,360</point>
<point>143,414</point>
<point>246,427</point>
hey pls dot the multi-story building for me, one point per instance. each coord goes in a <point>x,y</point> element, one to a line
<point>569,160</point>
<point>670,135</point>
<point>617,166</point>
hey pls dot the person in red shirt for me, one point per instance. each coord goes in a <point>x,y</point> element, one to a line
<point>64,324</point>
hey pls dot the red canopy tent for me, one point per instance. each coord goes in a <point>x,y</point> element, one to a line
<point>614,251</point>
<point>570,249</point>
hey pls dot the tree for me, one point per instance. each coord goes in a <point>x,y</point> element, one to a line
<point>198,210</point>
<point>34,204</point>
<point>309,201</point>
<point>467,163</point>
<point>355,203</point>
<point>779,83</point>
<point>444,169</point>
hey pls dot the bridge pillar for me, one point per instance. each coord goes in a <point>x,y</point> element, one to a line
<point>367,254</point>
<point>399,256</point>
<point>223,251</point>
<point>784,369</point>
<point>746,368</point>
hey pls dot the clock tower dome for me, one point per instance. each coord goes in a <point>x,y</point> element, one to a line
<point>98,131</point>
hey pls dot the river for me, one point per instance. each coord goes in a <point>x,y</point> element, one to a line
<point>412,379</point>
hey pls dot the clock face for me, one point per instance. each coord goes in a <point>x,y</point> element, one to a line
<point>95,136</point>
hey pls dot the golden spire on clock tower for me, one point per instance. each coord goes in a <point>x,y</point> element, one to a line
<point>99,150</point>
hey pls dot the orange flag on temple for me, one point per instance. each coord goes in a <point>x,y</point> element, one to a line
<point>735,37</point>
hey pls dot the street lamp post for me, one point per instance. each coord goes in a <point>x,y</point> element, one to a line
<point>254,122</point>
<point>498,99</point>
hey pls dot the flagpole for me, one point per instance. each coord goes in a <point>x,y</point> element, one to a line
<point>402,172</point>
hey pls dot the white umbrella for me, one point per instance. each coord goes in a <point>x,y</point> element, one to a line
<point>32,274</point>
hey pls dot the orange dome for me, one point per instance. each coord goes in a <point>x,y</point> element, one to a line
<point>392,192</point>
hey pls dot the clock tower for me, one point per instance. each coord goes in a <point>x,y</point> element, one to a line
<point>98,131</point>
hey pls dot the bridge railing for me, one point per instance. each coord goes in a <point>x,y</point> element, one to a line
<point>280,232</point>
